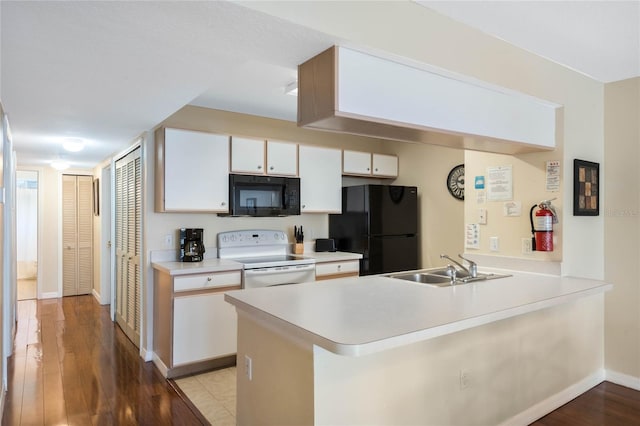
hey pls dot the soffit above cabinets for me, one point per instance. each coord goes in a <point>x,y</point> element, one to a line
<point>345,90</point>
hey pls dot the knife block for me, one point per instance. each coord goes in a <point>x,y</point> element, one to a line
<point>298,248</point>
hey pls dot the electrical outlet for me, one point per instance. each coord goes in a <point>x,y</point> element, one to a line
<point>248,367</point>
<point>464,379</point>
<point>526,246</point>
<point>168,240</point>
<point>494,244</point>
<point>482,216</point>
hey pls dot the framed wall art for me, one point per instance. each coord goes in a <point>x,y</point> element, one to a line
<point>586,188</point>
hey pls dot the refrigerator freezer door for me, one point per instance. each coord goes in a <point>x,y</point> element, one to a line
<point>390,254</point>
<point>393,210</point>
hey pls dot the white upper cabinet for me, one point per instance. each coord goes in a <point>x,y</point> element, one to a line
<point>282,158</point>
<point>257,156</point>
<point>385,165</point>
<point>350,91</point>
<point>320,180</point>
<point>366,164</point>
<point>247,155</point>
<point>356,163</point>
<point>192,171</point>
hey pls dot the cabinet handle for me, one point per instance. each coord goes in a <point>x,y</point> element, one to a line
<point>339,266</point>
<point>259,167</point>
<point>208,278</point>
<point>271,168</point>
<point>223,203</point>
<point>304,206</point>
<point>368,169</point>
<point>376,170</point>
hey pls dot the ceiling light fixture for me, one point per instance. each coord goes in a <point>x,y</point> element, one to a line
<point>60,164</point>
<point>291,88</point>
<point>73,144</point>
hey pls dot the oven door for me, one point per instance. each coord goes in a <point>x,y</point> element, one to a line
<point>279,275</point>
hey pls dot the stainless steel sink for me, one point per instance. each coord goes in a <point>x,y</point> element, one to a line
<point>437,280</point>
<point>442,277</point>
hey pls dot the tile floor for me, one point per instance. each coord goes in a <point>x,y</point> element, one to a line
<point>214,394</point>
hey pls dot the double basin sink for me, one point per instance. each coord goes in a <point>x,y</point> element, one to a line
<point>442,277</point>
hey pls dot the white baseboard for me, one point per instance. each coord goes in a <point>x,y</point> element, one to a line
<point>49,295</point>
<point>146,355</point>
<point>623,379</point>
<point>553,402</point>
<point>158,362</point>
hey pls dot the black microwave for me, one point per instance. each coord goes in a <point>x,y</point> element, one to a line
<point>263,195</point>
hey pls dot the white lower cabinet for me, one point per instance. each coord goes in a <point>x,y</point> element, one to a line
<point>194,329</point>
<point>204,327</point>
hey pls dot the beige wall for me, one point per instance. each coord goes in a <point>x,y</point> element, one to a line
<point>441,215</point>
<point>622,228</point>
<point>528,188</point>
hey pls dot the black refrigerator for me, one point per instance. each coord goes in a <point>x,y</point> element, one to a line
<point>381,223</point>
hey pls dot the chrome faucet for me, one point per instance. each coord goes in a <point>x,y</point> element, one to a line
<point>453,273</point>
<point>472,270</point>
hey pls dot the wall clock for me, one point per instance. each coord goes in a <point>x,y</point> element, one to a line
<point>455,182</point>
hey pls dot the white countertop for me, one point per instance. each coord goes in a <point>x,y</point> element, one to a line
<point>330,256</point>
<point>204,267</point>
<point>362,315</point>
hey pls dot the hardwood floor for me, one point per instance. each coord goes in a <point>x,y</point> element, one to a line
<point>607,404</point>
<point>73,366</point>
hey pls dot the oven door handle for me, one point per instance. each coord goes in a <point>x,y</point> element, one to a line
<point>279,270</point>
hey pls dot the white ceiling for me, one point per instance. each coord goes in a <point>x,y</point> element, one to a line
<point>107,71</point>
<point>598,38</point>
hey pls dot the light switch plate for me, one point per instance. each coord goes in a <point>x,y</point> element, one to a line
<point>494,244</point>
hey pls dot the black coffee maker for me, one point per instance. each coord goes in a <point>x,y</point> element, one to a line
<point>191,245</point>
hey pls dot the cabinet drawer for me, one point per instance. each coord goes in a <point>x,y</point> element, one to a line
<point>335,268</point>
<point>202,281</point>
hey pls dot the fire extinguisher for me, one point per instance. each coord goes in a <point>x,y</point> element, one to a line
<point>542,227</point>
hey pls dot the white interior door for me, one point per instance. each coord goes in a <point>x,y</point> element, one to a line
<point>77,235</point>
<point>128,235</point>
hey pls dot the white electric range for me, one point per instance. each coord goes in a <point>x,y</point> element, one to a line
<point>265,257</point>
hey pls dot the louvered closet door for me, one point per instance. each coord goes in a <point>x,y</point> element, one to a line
<point>77,235</point>
<point>128,194</point>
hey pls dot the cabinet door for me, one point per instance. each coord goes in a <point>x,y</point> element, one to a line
<point>385,165</point>
<point>282,158</point>
<point>204,327</point>
<point>247,155</point>
<point>196,172</point>
<point>356,163</point>
<point>320,179</point>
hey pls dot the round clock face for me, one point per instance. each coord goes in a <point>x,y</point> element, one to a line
<point>455,182</point>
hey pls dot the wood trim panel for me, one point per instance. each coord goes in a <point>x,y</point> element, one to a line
<point>332,276</point>
<point>206,291</point>
<point>159,170</point>
<point>162,317</point>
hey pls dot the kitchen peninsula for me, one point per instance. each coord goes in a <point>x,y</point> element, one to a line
<point>378,350</point>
